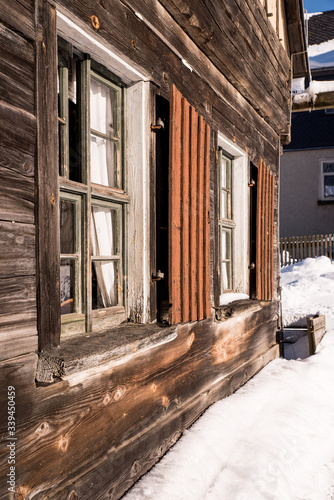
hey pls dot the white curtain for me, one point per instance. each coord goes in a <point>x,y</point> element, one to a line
<point>102,102</point>
<point>103,245</point>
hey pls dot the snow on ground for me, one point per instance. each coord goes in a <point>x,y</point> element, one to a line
<point>308,289</point>
<point>274,438</point>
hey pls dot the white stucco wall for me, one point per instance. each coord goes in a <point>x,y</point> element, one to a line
<point>300,213</point>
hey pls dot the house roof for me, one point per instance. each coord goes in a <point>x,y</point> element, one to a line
<point>321,28</point>
<point>311,130</point>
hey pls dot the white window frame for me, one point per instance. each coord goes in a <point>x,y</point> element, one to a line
<point>240,216</point>
<point>322,179</point>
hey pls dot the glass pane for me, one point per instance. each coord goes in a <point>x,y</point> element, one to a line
<point>104,231</point>
<point>329,186</point>
<point>67,286</point>
<point>328,167</point>
<point>226,276</point>
<point>225,257</point>
<point>103,108</point>
<point>225,244</point>
<point>225,208</point>
<point>104,284</point>
<point>67,214</point>
<point>223,174</point>
<point>103,161</point>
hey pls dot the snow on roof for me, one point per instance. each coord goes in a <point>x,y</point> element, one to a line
<point>321,55</point>
<point>315,88</point>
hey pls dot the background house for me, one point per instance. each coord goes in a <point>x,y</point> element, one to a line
<point>139,165</point>
<point>307,165</point>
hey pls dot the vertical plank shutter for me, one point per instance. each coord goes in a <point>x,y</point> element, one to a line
<point>189,213</point>
<point>265,233</point>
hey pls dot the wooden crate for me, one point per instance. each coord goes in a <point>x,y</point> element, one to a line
<point>316,329</point>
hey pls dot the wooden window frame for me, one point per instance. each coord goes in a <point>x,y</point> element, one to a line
<point>92,194</point>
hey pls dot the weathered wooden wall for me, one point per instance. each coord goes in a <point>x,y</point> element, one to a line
<point>18,332</point>
<point>94,433</point>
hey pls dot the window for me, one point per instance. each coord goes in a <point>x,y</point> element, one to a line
<point>327,180</point>
<point>225,221</point>
<point>92,187</point>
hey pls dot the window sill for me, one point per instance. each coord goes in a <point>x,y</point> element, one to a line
<point>81,352</point>
<point>326,202</point>
<point>225,312</point>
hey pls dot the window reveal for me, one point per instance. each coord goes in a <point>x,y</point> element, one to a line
<point>92,186</point>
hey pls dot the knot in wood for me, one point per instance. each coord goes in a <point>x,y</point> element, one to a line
<point>95,22</point>
<point>43,429</point>
<point>106,399</point>
<point>134,45</point>
<point>119,392</point>
<point>165,401</point>
<point>63,443</point>
<point>136,467</point>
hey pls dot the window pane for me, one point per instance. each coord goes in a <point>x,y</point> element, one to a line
<point>104,231</point>
<point>103,161</point>
<point>226,276</point>
<point>225,257</point>
<point>223,177</point>
<point>328,167</point>
<point>225,205</point>
<point>104,284</point>
<point>329,186</point>
<point>67,286</point>
<point>103,108</point>
<point>67,213</point>
<point>225,244</point>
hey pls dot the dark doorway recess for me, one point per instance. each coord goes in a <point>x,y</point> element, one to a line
<point>162,196</point>
<point>253,205</point>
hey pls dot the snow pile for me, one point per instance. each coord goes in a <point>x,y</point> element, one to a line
<point>227,298</point>
<point>308,289</point>
<point>274,438</point>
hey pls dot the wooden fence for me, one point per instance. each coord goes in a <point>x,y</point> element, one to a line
<point>296,248</point>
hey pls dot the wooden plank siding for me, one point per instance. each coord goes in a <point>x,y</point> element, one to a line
<point>265,234</point>
<point>120,420</point>
<point>189,235</point>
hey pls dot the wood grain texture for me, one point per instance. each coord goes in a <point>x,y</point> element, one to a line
<point>131,412</point>
<point>175,206</point>
<point>17,196</point>
<point>17,249</point>
<point>189,192</point>
<point>17,129</point>
<point>200,217</point>
<point>17,75</point>
<point>185,213</point>
<point>193,213</point>
<point>209,25</point>
<point>19,15</point>
<point>47,220</point>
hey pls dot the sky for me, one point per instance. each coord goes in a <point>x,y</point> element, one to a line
<point>274,438</point>
<point>318,5</point>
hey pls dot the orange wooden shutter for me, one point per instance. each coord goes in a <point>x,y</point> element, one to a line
<point>265,233</point>
<point>189,213</point>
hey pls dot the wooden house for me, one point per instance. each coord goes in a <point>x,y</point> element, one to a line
<point>139,156</point>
